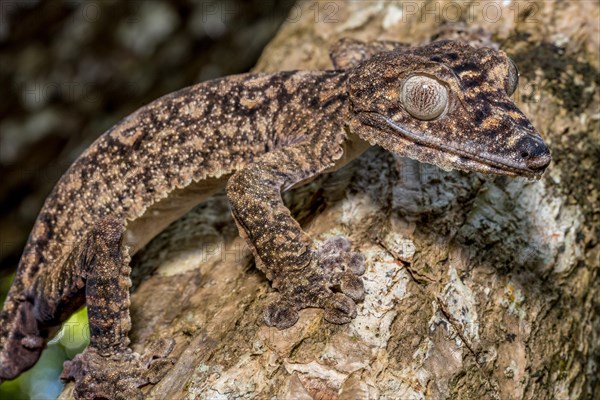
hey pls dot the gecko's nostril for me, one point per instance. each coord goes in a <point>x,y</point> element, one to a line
<point>534,153</point>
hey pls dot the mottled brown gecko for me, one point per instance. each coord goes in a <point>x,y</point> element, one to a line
<point>445,103</point>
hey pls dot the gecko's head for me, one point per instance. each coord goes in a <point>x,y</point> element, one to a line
<point>448,104</point>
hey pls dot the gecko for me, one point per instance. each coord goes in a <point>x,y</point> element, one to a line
<point>257,135</point>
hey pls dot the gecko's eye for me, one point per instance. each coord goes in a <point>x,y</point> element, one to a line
<point>423,97</point>
<point>513,78</point>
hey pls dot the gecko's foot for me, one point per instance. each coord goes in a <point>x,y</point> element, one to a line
<point>331,282</point>
<point>118,375</point>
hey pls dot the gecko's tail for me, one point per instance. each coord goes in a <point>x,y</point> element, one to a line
<point>21,342</point>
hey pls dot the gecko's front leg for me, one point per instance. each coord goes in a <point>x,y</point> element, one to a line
<point>306,275</point>
<point>108,368</point>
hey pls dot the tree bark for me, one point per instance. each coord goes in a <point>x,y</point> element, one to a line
<point>477,287</point>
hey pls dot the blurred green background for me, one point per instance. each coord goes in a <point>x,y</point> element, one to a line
<point>71,69</point>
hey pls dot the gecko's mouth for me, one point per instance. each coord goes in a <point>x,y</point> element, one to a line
<point>482,162</point>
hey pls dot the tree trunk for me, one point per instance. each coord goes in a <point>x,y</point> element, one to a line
<point>477,286</point>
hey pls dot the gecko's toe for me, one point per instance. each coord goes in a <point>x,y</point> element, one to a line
<point>157,369</point>
<point>156,361</point>
<point>341,267</point>
<point>356,264</point>
<point>335,245</point>
<point>340,309</point>
<point>158,349</point>
<point>281,314</point>
<point>334,255</point>
<point>352,286</point>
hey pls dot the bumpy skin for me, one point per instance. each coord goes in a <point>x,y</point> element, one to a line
<point>261,134</point>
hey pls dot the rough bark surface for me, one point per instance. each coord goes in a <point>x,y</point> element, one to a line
<point>477,287</point>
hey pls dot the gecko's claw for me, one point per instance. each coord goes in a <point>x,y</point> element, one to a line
<point>331,282</point>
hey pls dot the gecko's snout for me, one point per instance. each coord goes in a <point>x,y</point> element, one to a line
<point>540,162</point>
<point>534,153</point>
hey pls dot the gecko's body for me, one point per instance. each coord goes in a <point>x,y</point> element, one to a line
<point>161,161</point>
<point>259,134</point>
